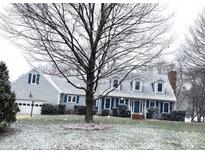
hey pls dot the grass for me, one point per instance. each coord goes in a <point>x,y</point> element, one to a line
<point>47,132</point>
<point>156,124</point>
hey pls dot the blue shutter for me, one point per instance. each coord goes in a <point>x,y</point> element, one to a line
<point>78,97</point>
<point>65,98</point>
<point>147,104</point>
<point>126,101</point>
<point>171,106</point>
<point>161,107</point>
<point>112,102</point>
<point>38,78</point>
<point>157,104</point>
<point>102,104</point>
<point>29,78</point>
<point>117,102</point>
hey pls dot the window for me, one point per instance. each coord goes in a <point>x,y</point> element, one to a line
<point>159,89</point>
<point>137,85</point>
<point>152,104</point>
<point>20,104</point>
<point>69,98</point>
<point>33,78</point>
<point>28,104</point>
<point>107,103</point>
<point>166,107</point>
<point>74,99</point>
<point>115,83</point>
<point>122,101</point>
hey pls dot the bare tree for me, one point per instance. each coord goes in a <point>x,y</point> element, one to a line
<point>90,41</point>
<point>193,55</point>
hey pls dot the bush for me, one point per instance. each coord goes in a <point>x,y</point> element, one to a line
<point>79,110</point>
<point>114,112</point>
<point>128,114</point>
<point>152,113</point>
<point>178,115</point>
<point>61,109</point>
<point>51,109</point>
<point>166,116</point>
<point>105,112</point>
<point>122,110</point>
<point>174,116</point>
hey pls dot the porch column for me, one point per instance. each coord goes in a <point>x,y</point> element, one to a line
<point>145,109</point>
<point>99,106</point>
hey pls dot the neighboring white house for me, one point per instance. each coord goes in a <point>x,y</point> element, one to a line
<point>138,92</point>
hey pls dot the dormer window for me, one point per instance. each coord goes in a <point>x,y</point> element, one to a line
<point>137,85</point>
<point>159,88</point>
<point>115,83</point>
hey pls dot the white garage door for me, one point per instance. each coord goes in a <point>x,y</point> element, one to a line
<point>26,106</point>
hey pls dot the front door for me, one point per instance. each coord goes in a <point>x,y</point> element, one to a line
<point>135,106</point>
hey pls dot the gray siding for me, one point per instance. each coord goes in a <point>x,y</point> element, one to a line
<point>70,106</point>
<point>43,91</point>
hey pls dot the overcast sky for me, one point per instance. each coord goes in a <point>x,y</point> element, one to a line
<point>185,13</point>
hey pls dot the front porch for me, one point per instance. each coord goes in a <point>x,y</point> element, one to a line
<point>134,105</point>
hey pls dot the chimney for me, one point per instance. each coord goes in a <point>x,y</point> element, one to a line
<point>173,79</point>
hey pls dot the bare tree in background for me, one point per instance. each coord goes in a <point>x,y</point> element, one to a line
<point>193,55</point>
<point>89,41</point>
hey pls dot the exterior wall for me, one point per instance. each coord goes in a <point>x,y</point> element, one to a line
<point>43,91</point>
<point>135,105</point>
<point>70,105</point>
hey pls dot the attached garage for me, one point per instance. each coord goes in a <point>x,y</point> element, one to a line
<point>25,106</point>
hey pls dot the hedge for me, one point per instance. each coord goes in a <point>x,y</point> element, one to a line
<point>52,109</point>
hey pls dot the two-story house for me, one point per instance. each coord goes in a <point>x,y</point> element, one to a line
<point>138,91</point>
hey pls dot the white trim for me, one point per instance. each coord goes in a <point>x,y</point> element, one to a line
<point>105,103</point>
<point>71,99</point>
<point>59,95</point>
<point>134,85</point>
<point>156,87</point>
<point>140,106</point>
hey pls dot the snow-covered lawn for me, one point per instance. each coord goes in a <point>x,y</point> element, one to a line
<point>47,132</point>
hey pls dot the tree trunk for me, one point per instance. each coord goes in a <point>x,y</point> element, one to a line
<point>89,107</point>
<point>89,98</point>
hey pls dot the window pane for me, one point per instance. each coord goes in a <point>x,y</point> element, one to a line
<point>152,104</point>
<point>166,107</point>
<point>74,99</point>
<point>107,103</point>
<point>69,98</point>
<point>115,84</point>
<point>34,78</point>
<point>160,87</point>
<point>137,85</point>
